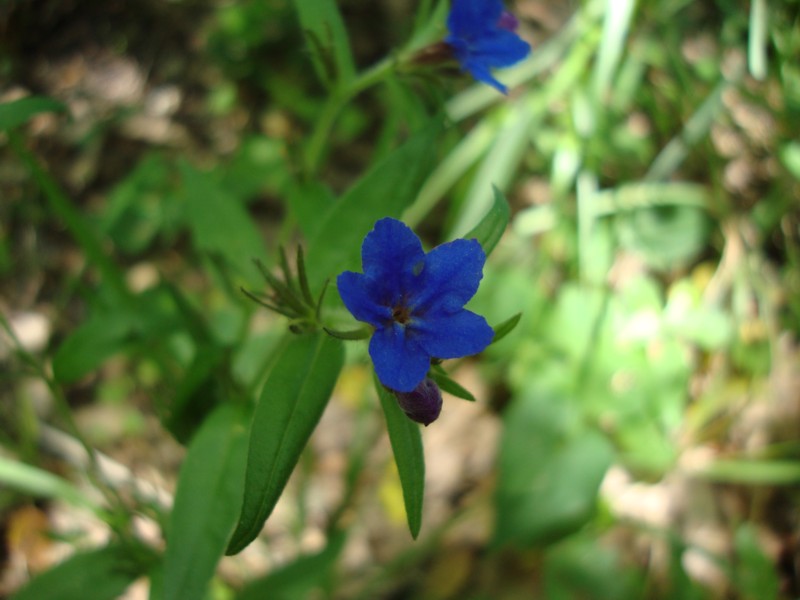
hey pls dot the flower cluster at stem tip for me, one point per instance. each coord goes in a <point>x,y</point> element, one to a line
<point>414,302</point>
<point>483,37</point>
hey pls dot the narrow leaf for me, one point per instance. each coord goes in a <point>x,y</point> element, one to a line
<point>86,348</point>
<point>758,39</point>
<point>327,37</point>
<point>206,504</point>
<point>406,441</point>
<point>36,482</point>
<point>753,472</point>
<point>196,395</point>
<point>218,221</point>
<point>295,394</point>
<point>97,575</point>
<point>489,231</point>
<point>617,21</point>
<point>17,112</point>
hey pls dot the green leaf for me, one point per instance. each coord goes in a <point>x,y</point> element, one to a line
<point>74,220</point>
<point>758,40</point>
<point>141,205</point>
<point>196,394</point>
<point>665,236</point>
<point>550,469</point>
<point>328,41</point>
<point>385,191</point>
<point>615,32</point>
<point>755,574</point>
<point>583,567</point>
<point>86,348</point>
<point>299,578</point>
<point>39,483</point>
<point>406,441</point>
<point>790,157</point>
<point>489,231</point>
<point>102,574</point>
<point>206,504</point>
<point>295,394</point>
<point>308,201</point>
<point>17,112</point>
<point>497,167</point>
<point>506,327</point>
<point>219,223</point>
<point>753,472</point>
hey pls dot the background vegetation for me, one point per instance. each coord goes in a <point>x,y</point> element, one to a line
<point>636,436</point>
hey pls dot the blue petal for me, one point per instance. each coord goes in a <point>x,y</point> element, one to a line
<point>470,17</point>
<point>501,48</point>
<point>450,278</point>
<point>355,292</point>
<point>389,256</point>
<point>481,73</point>
<point>400,363</point>
<point>452,336</point>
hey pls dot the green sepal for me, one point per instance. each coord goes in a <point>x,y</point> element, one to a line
<point>446,384</point>
<point>506,327</point>
<point>362,333</point>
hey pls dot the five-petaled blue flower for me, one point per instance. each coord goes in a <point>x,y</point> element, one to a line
<point>482,37</point>
<point>415,302</point>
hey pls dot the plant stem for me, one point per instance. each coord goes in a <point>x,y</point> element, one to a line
<point>334,105</point>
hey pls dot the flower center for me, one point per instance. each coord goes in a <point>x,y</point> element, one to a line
<point>401,314</point>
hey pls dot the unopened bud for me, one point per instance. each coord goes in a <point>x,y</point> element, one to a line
<point>423,404</point>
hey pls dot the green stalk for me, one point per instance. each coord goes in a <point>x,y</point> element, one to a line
<point>334,105</point>
<point>63,208</point>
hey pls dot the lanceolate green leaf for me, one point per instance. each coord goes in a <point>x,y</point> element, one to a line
<point>96,340</point>
<point>383,192</point>
<point>15,113</point>
<point>406,443</point>
<point>219,222</point>
<point>295,394</point>
<point>39,483</point>
<point>97,575</point>
<point>327,39</point>
<point>206,504</point>
<point>489,231</point>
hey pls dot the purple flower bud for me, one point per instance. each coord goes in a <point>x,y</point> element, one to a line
<point>423,404</point>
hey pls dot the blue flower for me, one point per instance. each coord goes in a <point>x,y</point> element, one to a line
<point>482,37</point>
<point>415,302</point>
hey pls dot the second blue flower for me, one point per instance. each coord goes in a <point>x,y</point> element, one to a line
<point>483,37</point>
